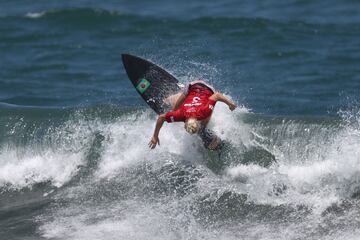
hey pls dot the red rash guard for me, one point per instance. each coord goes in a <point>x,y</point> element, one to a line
<point>196,105</point>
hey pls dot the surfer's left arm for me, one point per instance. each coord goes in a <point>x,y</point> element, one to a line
<point>155,138</point>
<point>219,97</point>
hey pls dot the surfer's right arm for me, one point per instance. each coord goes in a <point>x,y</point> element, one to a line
<point>155,138</point>
<point>174,116</point>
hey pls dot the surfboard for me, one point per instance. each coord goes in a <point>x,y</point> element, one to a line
<point>154,84</point>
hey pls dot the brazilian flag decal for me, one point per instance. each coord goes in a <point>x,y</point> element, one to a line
<point>143,85</point>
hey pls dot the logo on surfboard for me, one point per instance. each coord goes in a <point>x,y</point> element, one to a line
<point>143,85</point>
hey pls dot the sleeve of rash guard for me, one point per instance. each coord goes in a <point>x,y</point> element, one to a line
<point>175,116</point>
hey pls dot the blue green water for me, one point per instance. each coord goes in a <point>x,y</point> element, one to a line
<point>74,162</point>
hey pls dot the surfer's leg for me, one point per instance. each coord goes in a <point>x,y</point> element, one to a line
<point>171,100</point>
<point>210,140</point>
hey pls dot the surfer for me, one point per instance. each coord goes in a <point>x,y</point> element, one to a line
<point>194,106</point>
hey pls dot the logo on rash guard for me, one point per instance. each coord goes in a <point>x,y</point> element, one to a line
<point>211,107</point>
<point>195,99</point>
<point>195,102</point>
<point>172,119</point>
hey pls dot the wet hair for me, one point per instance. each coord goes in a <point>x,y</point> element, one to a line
<point>192,125</point>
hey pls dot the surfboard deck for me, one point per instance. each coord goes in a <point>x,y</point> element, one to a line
<point>154,84</point>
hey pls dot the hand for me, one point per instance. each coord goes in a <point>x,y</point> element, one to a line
<point>232,106</point>
<point>154,140</point>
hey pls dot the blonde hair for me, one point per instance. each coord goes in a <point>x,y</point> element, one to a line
<point>192,125</point>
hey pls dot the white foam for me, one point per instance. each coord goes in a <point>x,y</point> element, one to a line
<point>55,159</point>
<point>340,162</point>
<point>244,172</point>
<point>139,220</point>
<point>35,14</point>
<point>129,144</point>
<point>25,169</point>
<point>317,175</point>
<point>228,125</point>
<point>112,228</point>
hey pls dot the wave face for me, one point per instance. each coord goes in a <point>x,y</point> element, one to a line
<point>74,161</point>
<point>88,174</point>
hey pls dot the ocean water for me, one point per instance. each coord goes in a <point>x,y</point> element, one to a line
<point>74,161</point>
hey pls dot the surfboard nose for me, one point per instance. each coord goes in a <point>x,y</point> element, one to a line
<point>125,55</point>
<point>134,66</point>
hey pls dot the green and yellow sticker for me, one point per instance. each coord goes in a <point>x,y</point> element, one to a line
<point>143,85</point>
